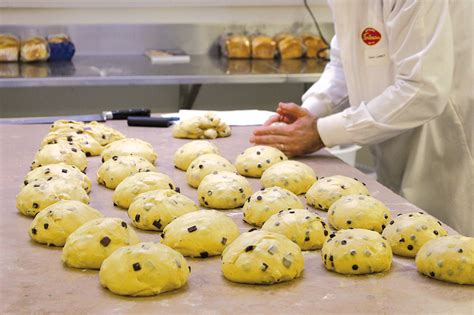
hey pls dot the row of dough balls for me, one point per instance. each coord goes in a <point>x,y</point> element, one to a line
<point>208,126</point>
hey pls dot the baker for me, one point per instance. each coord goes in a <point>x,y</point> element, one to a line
<point>400,80</point>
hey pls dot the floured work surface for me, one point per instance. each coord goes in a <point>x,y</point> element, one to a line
<point>33,279</point>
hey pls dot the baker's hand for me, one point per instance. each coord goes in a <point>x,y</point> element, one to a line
<point>298,137</point>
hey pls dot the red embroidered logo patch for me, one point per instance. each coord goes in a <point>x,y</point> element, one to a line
<point>371,36</point>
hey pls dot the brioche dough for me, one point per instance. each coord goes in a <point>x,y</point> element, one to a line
<point>191,150</point>
<point>223,190</point>
<point>139,183</point>
<point>262,257</point>
<point>255,160</point>
<point>329,189</point>
<point>265,203</point>
<point>60,170</point>
<point>356,251</point>
<point>85,142</point>
<point>300,226</point>
<point>295,176</point>
<point>102,133</point>
<point>144,269</point>
<point>359,212</point>
<point>449,258</point>
<point>60,152</point>
<point>129,146</point>
<point>40,194</point>
<point>90,244</point>
<point>407,233</point>
<point>201,233</point>
<point>205,165</point>
<point>208,126</point>
<point>115,170</point>
<point>69,124</point>
<point>153,210</point>
<point>53,225</point>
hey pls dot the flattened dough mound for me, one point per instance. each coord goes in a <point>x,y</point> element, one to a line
<point>205,165</point>
<point>208,126</point>
<point>328,190</point>
<point>407,233</point>
<point>295,176</point>
<point>115,170</point>
<point>129,146</point>
<point>89,245</point>
<point>191,150</point>
<point>85,142</point>
<point>265,203</point>
<point>262,257</point>
<point>154,210</point>
<point>139,183</point>
<point>356,252</point>
<point>62,152</point>
<point>60,170</point>
<point>144,269</point>
<point>201,233</point>
<point>55,223</point>
<point>448,258</point>
<point>359,212</point>
<point>257,159</point>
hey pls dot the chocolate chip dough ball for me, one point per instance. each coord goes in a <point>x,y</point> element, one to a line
<point>205,165</point>
<point>103,133</point>
<point>85,142</point>
<point>115,170</point>
<point>295,176</point>
<point>191,150</point>
<point>69,124</point>
<point>62,152</point>
<point>127,147</point>
<point>60,170</point>
<point>257,159</point>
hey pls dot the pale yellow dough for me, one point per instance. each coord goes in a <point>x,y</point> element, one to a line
<point>265,203</point>
<point>407,233</point>
<point>448,258</point>
<point>115,170</point>
<point>55,223</point>
<point>85,142</point>
<point>129,146</point>
<point>356,251</point>
<point>262,257</point>
<point>154,210</point>
<point>300,226</point>
<point>257,159</point>
<point>62,152</point>
<point>328,190</point>
<point>59,170</point>
<point>359,212</point>
<point>90,244</point>
<point>139,183</point>
<point>102,133</point>
<point>191,150</point>
<point>144,269</point>
<point>207,126</point>
<point>201,233</point>
<point>295,176</point>
<point>40,194</point>
<point>205,165</point>
<point>224,190</point>
<point>70,124</point>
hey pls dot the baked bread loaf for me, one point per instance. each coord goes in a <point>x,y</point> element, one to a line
<point>9,48</point>
<point>34,49</point>
<point>314,44</point>
<point>263,47</point>
<point>236,46</point>
<point>289,46</point>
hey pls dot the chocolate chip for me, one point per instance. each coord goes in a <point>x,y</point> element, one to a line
<point>137,218</point>
<point>157,224</point>
<point>88,154</point>
<point>277,223</point>
<point>331,258</point>
<point>391,222</point>
<point>319,206</point>
<point>103,160</point>
<point>46,226</point>
<point>349,222</point>
<point>353,252</point>
<point>241,190</point>
<point>268,161</point>
<point>292,212</point>
<point>343,187</point>
<point>435,232</point>
<point>223,241</point>
<point>252,229</point>
<point>249,248</point>
<point>385,216</point>
<point>343,242</point>
<point>410,247</point>
<point>114,158</point>
<point>204,254</point>
<point>258,152</point>
<point>49,178</point>
<point>383,227</point>
<point>201,166</point>
<point>402,240</point>
<point>124,225</point>
<point>281,157</point>
<point>332,235</point>
<point>33,230</point>
<point>162,235</point>
<point>105,241</point>
<point>432,274</point>
<point>264,267</point>
<point>36,185</point>
<point>35,205</point>
<point>306,239</point>
<point>259,197</point>
<point>137,267</point>
<point>25,182</point>
<point>177,189</point>
<point>209,193</point>
<point>460,250</point>
<point>439,223</point>
<point>64,170</point>
<point>355,267</point>
<point>326,233</point>
<point>192,229</point>
<point>259,165</point>
<point>170,185</point>
<point>206,203</point>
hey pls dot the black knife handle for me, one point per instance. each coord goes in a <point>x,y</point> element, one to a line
<point>124,113</point>
<point>148,121</point>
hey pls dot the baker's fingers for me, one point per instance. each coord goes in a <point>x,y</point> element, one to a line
<point>292,109</point>
<point>272,119</point>
<point>272,130</point>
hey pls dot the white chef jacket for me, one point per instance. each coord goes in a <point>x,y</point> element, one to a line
<point>407,92</point>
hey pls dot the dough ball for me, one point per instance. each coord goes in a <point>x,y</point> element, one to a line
<point>191,150</point>
<point>356,251</point>
<point>300,226</point>
<point>205,165</point>
<point>60,170</point>
<point>153,210</point>
<point>139,183</point>
<point>55,223</point>
<point>62,152</point>
<point>262,257</point>
<point>90,244</point>
<point>144,269</point>
<point>207,126</point>
<point>223,190</point>
<point>265,203</point>
<point>449,258</point>
<point>255,160</point>
<point>129,146</point>
<point>102,133</point>
<point>115,170</point>
<point>295,176</point>
<point>201,233</point>
<point>407,233</point>
<point>328,190</point>
<point>359,212</point>
<point>40,194</point>
<point>69,124</point>
<point>85,142</point>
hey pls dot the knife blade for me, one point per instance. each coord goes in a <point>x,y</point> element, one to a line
<point>104,116</point>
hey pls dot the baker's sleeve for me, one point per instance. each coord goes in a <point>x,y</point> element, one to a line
<point>421,50</point>
<point>329,94</point>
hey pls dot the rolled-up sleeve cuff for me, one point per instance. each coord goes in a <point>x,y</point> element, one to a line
<point>316,106</point>
<point>332,130</point>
